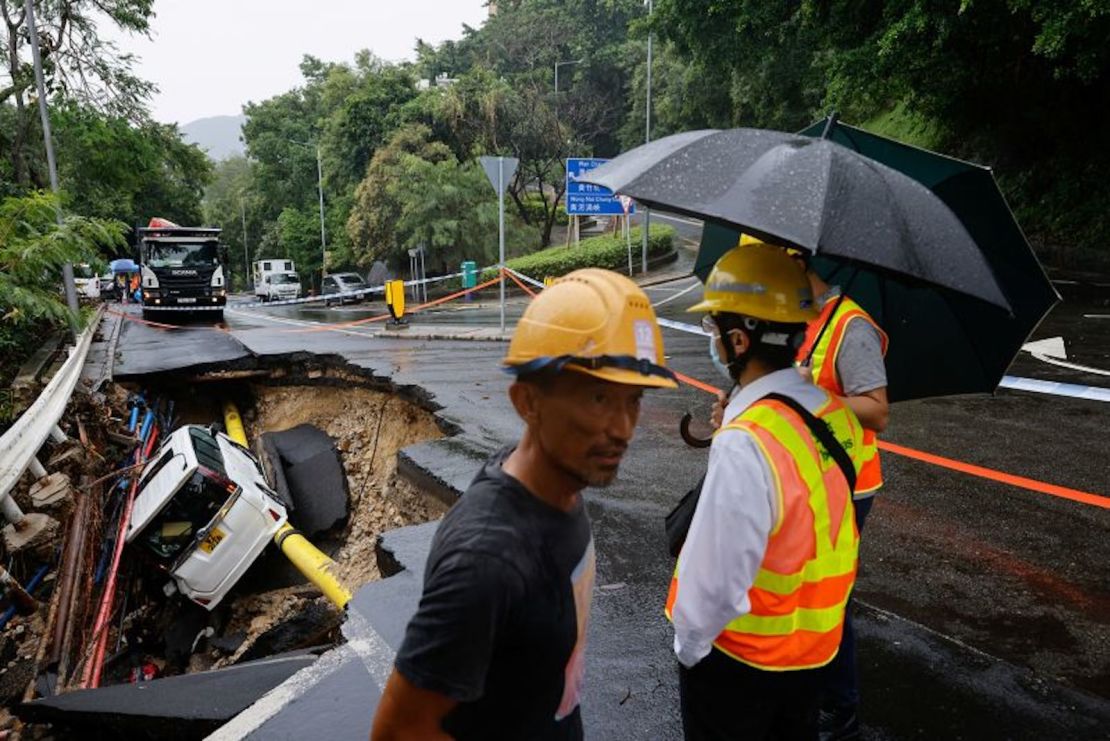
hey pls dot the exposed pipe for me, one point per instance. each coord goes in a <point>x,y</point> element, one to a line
<point>93,669</point>
<point>71,560</point>
<point>314,564</point>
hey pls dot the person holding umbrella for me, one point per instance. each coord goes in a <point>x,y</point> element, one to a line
<point>843,354</point>
<point>759,590</point>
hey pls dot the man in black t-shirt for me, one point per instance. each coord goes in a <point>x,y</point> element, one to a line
<point>496,648</point>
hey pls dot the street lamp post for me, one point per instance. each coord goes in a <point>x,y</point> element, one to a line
<point>246,250</point>
<point>320,191</point>
<point>323,234</point>
<point>647,138</point>
<point>564,64</point>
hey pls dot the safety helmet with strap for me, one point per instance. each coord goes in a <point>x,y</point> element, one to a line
<point>757,287</point>
<point>595,322</point>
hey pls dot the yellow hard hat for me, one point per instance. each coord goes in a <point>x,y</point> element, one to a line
<point>591,321</point>
<point>758,280</point>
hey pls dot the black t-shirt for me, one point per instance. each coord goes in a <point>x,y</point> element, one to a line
<point>501,625</point>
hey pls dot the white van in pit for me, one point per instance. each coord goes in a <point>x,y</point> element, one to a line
<point>203,512</point>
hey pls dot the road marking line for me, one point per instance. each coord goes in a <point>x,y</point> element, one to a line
<point>681,293</point>
<point>277,699</point>
<point>1037,386</point>
<point>679,219</point>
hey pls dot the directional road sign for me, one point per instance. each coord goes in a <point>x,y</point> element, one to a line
<point>586,199</point>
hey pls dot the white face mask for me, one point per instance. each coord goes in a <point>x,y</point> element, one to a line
<point>719,364</point>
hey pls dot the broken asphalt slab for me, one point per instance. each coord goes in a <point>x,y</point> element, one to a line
<point>188,706</point>
<point>145,349</point>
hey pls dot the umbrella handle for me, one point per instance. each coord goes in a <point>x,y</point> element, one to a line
<point>690,438</point>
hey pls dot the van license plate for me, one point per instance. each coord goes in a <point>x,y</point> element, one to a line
<point>186,300</point>
<point>212,540</point>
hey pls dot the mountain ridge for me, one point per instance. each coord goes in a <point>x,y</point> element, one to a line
<point>216,135</point>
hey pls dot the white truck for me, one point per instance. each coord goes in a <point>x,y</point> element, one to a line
<point>203,512</point>
<point>276,280</point>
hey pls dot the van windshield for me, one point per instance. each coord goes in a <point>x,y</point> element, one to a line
<point>284,279</point>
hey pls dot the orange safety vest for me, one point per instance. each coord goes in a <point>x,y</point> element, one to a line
<point>803,583</point>
<point>824,375</point>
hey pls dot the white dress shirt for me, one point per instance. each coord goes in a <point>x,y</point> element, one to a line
<point>732,523</point>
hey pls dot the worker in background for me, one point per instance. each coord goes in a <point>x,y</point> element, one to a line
<point>496,648</point>
<point>758,593</point>
<point>843,353</point>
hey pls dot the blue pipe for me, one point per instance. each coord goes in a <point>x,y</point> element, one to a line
<point>134,419</point>
<point>31,586</point>
<point>148,422</point>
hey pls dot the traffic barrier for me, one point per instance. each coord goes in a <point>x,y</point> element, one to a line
<point>21,442</point>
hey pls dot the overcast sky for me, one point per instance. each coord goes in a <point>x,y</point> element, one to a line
<point>209,57</point>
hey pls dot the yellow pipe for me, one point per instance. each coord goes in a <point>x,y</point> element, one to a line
<point>233,423</point>
<point>309,560</point>
<point>313,563</point>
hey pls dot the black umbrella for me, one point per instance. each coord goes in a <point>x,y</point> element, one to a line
<point>911,262</point>
<point>941,342</point>
<point>810,193</point>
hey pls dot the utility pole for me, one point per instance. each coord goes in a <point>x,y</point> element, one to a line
<point>246,251</point>
<point>501,232</point>
<point>48,140</point>
<point>647,138</point>
<point>323,236</point>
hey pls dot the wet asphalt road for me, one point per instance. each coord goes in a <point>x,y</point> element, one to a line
<point>985,608</point>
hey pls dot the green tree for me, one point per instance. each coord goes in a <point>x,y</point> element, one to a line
<point>229,201</point>
<point>79,65</point>
<point>417,193</point>
<point>33,249</point>
<point>109,167</point>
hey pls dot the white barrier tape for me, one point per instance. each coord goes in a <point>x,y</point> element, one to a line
<point>683,327</point>
<point>258,306</point>
<point>525,278</point>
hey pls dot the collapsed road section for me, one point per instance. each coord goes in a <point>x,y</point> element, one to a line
<point>166,595</point>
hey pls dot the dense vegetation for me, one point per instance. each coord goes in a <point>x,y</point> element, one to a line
<point>115,165</point>
<point>1021,85</point>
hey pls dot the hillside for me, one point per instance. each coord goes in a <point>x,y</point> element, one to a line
<point>217,135</point>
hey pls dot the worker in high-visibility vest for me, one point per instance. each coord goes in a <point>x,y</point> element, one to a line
<point>843,353</point>
<point>758,594</point>
<point>496,649</point>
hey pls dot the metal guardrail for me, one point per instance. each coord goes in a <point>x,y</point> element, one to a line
<point>20,444</point>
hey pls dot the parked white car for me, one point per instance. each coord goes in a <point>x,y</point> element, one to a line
<point>204,512</point>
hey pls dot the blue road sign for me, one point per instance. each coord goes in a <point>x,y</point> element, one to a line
<point>585,199</point>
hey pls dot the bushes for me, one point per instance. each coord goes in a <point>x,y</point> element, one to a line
<point>534,209</point>
<point>598,252</point>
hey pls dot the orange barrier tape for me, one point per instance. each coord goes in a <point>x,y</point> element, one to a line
<point>1004,478</point>
<point>520,283</point>
<point>383,317</point>
<point>160,325</point>
<point>697,384</point>
<point>1083,497</point>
